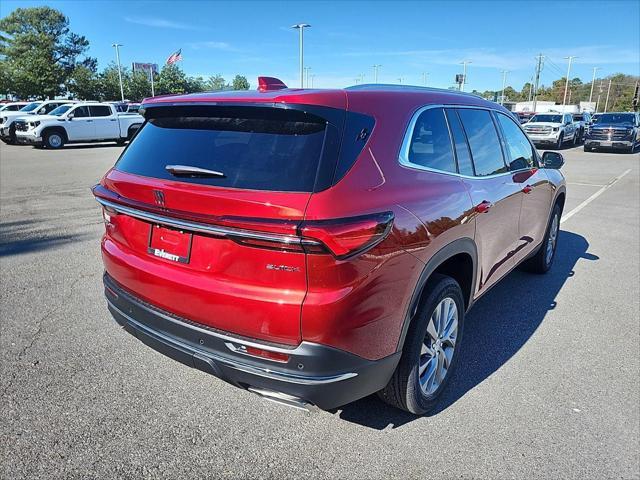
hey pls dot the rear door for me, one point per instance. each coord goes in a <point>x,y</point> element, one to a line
<point>105,122</point>
<point>246,274</point>
<point>495,196</point>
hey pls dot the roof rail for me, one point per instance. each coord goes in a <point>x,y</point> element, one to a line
<point>393,86</point>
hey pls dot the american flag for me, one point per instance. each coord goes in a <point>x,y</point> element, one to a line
<point>174,57</point>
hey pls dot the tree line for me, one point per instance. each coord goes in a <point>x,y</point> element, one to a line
<point>40,57</point>
<point>620,95</point>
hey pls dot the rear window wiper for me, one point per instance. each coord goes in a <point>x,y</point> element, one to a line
<point>190,171</point>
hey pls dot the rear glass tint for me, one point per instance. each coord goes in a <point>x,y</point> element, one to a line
<point>254,147</point>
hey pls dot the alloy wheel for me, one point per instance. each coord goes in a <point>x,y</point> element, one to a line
<point>438,345</point>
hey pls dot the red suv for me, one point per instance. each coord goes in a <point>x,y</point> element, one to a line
<point>317,246</point>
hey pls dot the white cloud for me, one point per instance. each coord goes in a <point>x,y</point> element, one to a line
<point>212,45</point>
<point>160,23</point>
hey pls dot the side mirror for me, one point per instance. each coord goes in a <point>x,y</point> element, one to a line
<point>553,160</point>
<point>70,116</point>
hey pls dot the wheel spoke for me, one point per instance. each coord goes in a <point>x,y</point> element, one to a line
<point>432,329</point>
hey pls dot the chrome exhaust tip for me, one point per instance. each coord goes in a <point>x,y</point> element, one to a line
<point>283,399</point>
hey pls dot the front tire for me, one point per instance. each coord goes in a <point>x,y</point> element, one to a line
<point>431,349</point>
<point>53,140</point>
<point>542,261</point>
<point>560,142</point>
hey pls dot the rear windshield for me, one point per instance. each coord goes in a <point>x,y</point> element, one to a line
<point>547,118</point>
<point>254,147</point>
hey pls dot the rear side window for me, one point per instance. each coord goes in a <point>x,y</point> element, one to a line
<point>254,147</point>
<point>519,150</point>
<point>430,142</point>
<point>100,111</point>
<point>483,141</point>
<point>465,166</point>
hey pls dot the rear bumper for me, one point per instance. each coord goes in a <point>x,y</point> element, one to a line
<point>315,374</point>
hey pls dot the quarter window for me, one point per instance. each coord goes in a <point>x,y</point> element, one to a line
<point>430,142</point>
<point>519,151</point>
<point>484,141</point>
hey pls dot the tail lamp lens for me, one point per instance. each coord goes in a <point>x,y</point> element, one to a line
<point>107,214</point>
<point>348,237</point>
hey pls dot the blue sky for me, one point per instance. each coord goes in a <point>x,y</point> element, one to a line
<point>346,38</point>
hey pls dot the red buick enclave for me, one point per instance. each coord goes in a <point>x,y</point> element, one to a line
<point>317,246</point>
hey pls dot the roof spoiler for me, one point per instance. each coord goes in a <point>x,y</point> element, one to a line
<point>266,84</point>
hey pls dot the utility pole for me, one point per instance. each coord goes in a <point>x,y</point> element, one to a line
<point>153,92</point>
<point>464,74</point>
<point>530,89</point>
<point>566,85</point>
<point>400,80</point>
<point>313,75</point>
<point>375,72</point>
<point>117,46</point>
<point>301,27</point>
<point>504,81</point>
<point>424,78</point>
<point>535,88</point>
<point>600,90</point>
<point>593,81</point>
<point>634,101</point>
<point>606,103</point>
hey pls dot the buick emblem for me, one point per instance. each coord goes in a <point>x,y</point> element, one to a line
<point>159,197</point>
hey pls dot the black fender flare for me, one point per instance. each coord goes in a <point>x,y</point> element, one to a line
<point>461,245</point>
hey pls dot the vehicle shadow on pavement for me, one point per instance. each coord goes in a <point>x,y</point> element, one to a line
<point>26,236</point>
<point>498,325</point>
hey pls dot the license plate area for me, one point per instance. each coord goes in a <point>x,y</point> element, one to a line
<point>169,243</point>
<point>606,143</point>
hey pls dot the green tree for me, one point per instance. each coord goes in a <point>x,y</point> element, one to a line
<point>138,86</point>
<point>217,82</point>
<point>171,80</point>
<point>240,82</point>
<point>39,52</point>
<point>109,82</point>
<point>84,83</point>
<point>196,84</point>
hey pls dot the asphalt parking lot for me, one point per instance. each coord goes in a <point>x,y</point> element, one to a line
<point>549,384</point>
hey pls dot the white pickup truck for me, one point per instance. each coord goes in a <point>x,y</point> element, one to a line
<point>8,118</point>
<point>78,123</point>
<point>552,129</point>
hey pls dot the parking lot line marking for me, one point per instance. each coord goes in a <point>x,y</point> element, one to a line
<point>593,197</point>
<point>586,184</point>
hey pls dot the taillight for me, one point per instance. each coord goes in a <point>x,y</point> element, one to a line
<point>347,237</point>
<point>107,214</point>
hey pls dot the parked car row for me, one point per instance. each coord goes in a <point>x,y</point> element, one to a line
<point>54,123</point>
<point>615,130</point>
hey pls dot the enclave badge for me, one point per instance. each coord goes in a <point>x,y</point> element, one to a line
<point>158,195</point>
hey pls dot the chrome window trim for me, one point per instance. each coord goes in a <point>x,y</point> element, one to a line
<point>403,157</point>
<point>203,227</point>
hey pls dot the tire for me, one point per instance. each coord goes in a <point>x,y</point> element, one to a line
<point>587,149</point>
<point>53,140</point>
<point>560,141</point>
<point>405,390</point>
<point>121,141</point>
<point>542,261</point>
<point>575,139</point>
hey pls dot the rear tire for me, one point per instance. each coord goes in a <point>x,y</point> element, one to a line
<point>431,349</point>
<point>542,261</point>
<point>53,140</point>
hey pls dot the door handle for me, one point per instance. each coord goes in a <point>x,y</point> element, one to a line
<point>89,121</point>
<point>112,120</point>
<point>527,189</point>
<point>484,207</point>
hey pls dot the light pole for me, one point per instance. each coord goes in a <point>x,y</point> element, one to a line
<point>566,85</point>
<point>117,46</point>
<point>400,80</point>
<point>504,81</point>
<point>306,75</point>
<point>606,103</point>
<point>424,78</point>
<point>301,27</point>
<point>464,74</point>
<point>375,72</point>
<point>313,75</point>
<point>593,81</point>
